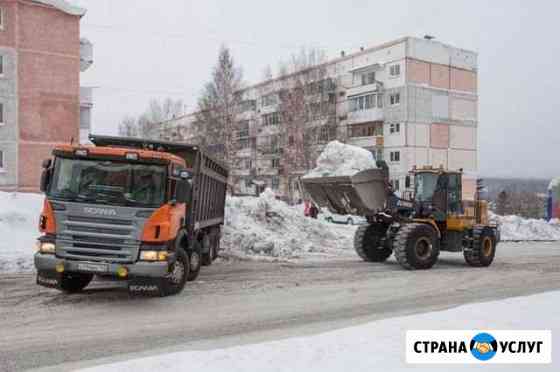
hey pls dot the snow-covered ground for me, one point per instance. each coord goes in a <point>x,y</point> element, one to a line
<point>19,220</point>
<point>377,346</point>
<point>256,228</point>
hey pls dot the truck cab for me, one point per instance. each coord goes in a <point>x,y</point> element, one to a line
<point>122,209</point>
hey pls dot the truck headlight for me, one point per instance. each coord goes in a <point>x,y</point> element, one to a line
<point>154,255</point>
<point>46,248</point>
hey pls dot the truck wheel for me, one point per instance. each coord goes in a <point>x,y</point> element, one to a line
<point>416,246</point>
<point>74,282</point>
<point>208,244</point>
<point>175,280</point>
<point>216,247</point>
<point>367,243</point>
<point>483,248</point>
<point>195,260</point>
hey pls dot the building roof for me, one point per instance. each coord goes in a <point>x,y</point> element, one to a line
<point>64,6</point>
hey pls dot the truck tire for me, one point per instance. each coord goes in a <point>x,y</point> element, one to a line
<point>175,281</point>
<point>74,282</point>
<point>416,246</point>
<point>207,242</point>
<point>483,249</point>
<point>195,261</point>
<point>216,246</point>
<point>367,243</point>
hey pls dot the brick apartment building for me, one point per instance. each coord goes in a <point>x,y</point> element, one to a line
<point>41,56</point>
<point>412,102</point>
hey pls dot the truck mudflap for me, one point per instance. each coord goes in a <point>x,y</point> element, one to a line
<point>145,286</point>
<point>49,279</point>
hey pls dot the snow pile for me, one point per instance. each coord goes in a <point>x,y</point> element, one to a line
<point>19,218</point>
<point>339,159</point>
<point>554,184</point>
<point>264,228</point>
<point>374,346</point>
<point>515,228</point>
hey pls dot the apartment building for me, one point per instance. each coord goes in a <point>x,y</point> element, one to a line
<point>41,56</point>
<point>411,101</point>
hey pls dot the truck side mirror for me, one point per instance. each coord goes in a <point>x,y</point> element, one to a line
<point>183,191</point>
<point>46,175</point>
<point>407,182</point>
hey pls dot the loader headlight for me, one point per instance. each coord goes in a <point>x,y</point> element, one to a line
<point>46,248</point>
<point>154,255</point>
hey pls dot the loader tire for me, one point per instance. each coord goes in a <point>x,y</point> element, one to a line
<point>367,243</point>
<point>74,282</point>
<point>416,246</point>
<point>483,249</point>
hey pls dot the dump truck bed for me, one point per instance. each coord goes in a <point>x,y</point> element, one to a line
<point>363,193</point>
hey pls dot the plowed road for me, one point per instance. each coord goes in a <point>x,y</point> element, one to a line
<point>242,302</point>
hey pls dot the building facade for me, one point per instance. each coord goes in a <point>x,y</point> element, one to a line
<point>40,64</point>
<point>411,102</point>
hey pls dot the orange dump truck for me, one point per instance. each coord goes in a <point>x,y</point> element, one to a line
<point>146,212</point>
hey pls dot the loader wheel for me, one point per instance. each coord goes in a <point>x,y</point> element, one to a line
<point>74,282</point>
<point>367,243</point>
<point>175,280</point>
<point>483,250</point>
<point>416,246</point>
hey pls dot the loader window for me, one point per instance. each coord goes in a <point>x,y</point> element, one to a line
<point>425,185</point>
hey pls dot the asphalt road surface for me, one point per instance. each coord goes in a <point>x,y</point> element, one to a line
<point>238,302</point>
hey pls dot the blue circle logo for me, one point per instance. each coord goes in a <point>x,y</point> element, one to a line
<point>483,346</point>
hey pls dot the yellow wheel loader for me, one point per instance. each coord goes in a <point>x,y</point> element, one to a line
<point>430,218</point>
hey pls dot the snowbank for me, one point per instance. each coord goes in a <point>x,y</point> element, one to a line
<point>264,227</point>
<point>515,228</point>
<point>376,346</point>
<point>554,183</point>
<point>19,218</point>
<point>339,159</point>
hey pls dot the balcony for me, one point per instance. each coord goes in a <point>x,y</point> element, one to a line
<point>370,142</point>
<point>365,116</point>
<point>86,54</point>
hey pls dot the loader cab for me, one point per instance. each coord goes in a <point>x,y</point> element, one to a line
<point>437,192</point>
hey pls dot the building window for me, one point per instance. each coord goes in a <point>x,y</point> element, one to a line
<point>366,130</point>
<point>395,70</point>
<point>291,140</point>
<point>248,105</point>
<point>244,143</point>
<point>248,182</point>
<point>395,99</point>
<point>247,164</point>
<point>366,102</point>
<point>2,162</point>
<point>243,129</point>
<point>275,163</point>
<point>2,18</point>
<point>395,128</point>
<point>270,99</point>
<point>396,185</point>
<point>2,121</point>
<point>368,78</point>
<point>275,183</point>
<point>1,65</point>
<point>271,119</point>
<point>395,156</point>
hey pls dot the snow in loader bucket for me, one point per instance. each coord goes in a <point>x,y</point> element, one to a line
<point>362,194</point>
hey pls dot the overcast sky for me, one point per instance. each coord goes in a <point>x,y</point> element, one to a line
<point>144,49</point>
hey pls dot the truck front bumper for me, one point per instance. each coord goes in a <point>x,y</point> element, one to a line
<point>49,262</point>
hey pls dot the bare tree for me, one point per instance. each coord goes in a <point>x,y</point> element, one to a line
<point>128,127</point>
<point>218,103</point>
<point>307,105</point>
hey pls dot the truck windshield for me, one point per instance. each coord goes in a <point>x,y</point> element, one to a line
<point>109,182</point>
<point>425,185</point>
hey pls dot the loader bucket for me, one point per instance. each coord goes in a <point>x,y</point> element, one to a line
<point>361,194</point>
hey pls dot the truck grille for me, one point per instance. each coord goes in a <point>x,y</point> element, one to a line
<point>98,239</point>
